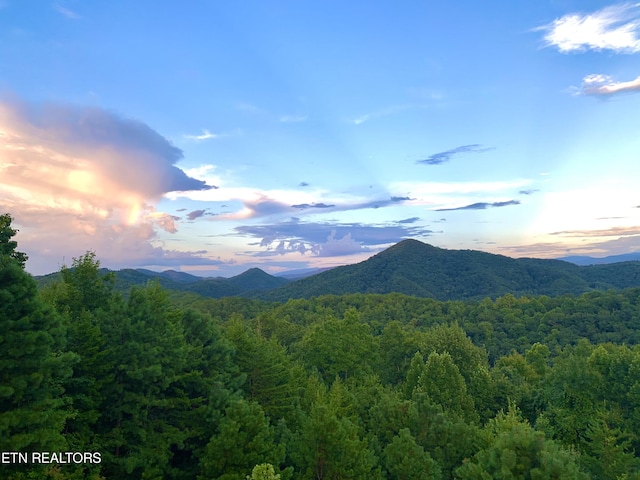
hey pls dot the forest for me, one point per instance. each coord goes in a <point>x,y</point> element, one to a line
<point>159,384</point>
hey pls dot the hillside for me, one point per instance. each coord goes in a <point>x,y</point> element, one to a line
<point>415,268</point>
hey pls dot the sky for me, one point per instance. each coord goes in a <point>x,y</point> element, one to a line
<point>211,137</point>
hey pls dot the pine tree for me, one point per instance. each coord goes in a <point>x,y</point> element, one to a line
<point>406,460</point>
<point>8,246</point>
<point>33,361</point>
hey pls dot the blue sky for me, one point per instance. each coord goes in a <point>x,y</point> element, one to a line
<point>212,137</point>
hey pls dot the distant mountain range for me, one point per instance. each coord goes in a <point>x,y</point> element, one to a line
<point>410,267</point>
<point>246,284</point>
<point>585,260</point>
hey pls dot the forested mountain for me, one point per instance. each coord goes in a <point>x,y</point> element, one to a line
<point>353,387</point>
<point>419,269</point>
<point>410,267</point>
<point>246,284</point>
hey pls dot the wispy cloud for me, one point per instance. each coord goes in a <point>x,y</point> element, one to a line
<point>443,157</point>
<point>609,232</point>
<point>481,206</point>
<point>205,135</point>
<point>616,28</point>
<point>304,206</point>
<point>66,12</point>
<point>409,220</point>
<point>392,110</point>
<point>529,191</point>
<point>604,85</point>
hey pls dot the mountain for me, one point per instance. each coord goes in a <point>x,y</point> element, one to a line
<point>302,273</point>
<point>252,281</point>
<point>180,277</point>
<point>248,283</point>
<point>410,267</point>
<point>415,268</point>
<point>586,260</point>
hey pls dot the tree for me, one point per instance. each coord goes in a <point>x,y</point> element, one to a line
<point>339,347</point>
<point>8,246</point>
<point>243,439</point>
<point>330,447</point>
<point>33,361</point>
<point>442,382</point>
<point>146,346</point>
<point>517,451</point>
<point>271,379</point>
<point>85,300</point>
<point>406,460</point>
<point>264,471</point>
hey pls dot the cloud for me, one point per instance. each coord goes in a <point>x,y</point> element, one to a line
<point>205,135</point>
<point>529,191</point>
<point>91,146</point>
<point>376,203</point>
<point>443,157</point>
<point>313,205</point>
<point>335,247</point>
<point>66,12</point>
<point>384,113</point>
<point>609,232</point>
<point>196,214</point>
<point>409,220</point>
<point>432,191</point>
<point>303,184</point>
<point>79,178</point>
<point>616,28</point>
<point>312,237</point>
<point>603,85</point>
<point>481,206</point>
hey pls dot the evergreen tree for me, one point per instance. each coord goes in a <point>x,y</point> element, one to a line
<point>442,382</point>
<point>33,361</point>
<point>406,460</point>
<point>8,246</point>
<point>146,345</point>
<point>243,439</point>
<point>516,451</point>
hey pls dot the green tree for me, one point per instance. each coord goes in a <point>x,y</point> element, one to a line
<point>416,370</point>
<point>33,362</point>
<point>243,439</point>
<point>8,246</point>
<point>397,347</point>
<point>332,448</point>
<point>517,451</point>
<point>85,300</point>
<point>470,360</point>
<point>339,347</point>
<point>264,471</point>
<point>406,460</point>
<point>146,345</point>
<point>272,379</point>
<point>442,382</point>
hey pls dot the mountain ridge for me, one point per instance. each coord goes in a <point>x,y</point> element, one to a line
<point>410,267</point>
